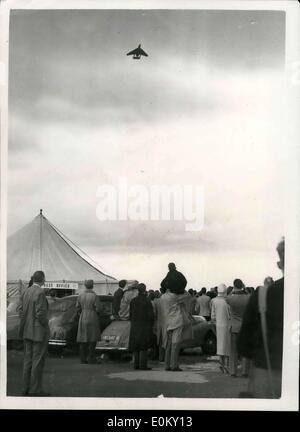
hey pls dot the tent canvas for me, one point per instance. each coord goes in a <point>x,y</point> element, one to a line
<point>41,246</point>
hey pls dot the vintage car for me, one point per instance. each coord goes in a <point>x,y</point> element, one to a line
<point>12,326</point>
<point>63,320</point>
<point>115,337</point>
<point>204,336</point>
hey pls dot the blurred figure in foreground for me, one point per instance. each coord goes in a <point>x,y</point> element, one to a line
<point>220,315</point>
<point>261,337</point>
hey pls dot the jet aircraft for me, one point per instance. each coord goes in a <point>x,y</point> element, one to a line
<point>137,53</point>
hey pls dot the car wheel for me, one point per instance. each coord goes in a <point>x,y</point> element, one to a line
<point>210,344</point>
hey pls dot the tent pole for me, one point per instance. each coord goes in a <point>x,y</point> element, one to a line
<point>41,239</point>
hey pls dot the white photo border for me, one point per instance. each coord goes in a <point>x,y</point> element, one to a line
<point>289,399</point>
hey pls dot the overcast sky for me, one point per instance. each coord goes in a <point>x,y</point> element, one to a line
<point>205,108</point>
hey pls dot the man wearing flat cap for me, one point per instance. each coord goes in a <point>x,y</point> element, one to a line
<point>88,333</point>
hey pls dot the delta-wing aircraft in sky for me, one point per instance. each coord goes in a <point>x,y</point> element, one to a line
<point>137,53</point>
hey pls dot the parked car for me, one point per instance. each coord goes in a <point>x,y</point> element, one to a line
<point>12,326</point>
<point>115,338</point>
<point>204,336</point>
<point>63,320</point>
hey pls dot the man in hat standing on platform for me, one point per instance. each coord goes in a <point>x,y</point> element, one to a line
<point>175,314</point>
<point>34,330</point>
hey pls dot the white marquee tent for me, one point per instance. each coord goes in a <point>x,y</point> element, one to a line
<point>41,246</point>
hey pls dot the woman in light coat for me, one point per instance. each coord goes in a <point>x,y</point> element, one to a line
<point>220,315</point>
<point>89,327</point>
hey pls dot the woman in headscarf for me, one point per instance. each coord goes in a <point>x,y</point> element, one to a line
<point>220,315</point>
<point>89,327</point>
<point>129,293</point>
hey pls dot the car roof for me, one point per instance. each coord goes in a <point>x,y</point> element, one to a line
<point>105,296</point>
<point>75,296</point>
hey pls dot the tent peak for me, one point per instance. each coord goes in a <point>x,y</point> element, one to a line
<point>39,244</point>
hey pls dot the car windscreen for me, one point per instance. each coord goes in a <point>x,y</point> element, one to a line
<point>61,306</point>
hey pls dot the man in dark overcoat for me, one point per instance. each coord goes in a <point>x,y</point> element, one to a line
<point>141,330</point>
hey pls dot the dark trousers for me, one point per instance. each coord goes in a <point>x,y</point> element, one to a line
<point>35,354</point>
<point>140,359</point>
<point>87,352</point>
<point>161,350</point>
<point>161,353</point>
<point>154,353</point>
<point>173,349</point>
